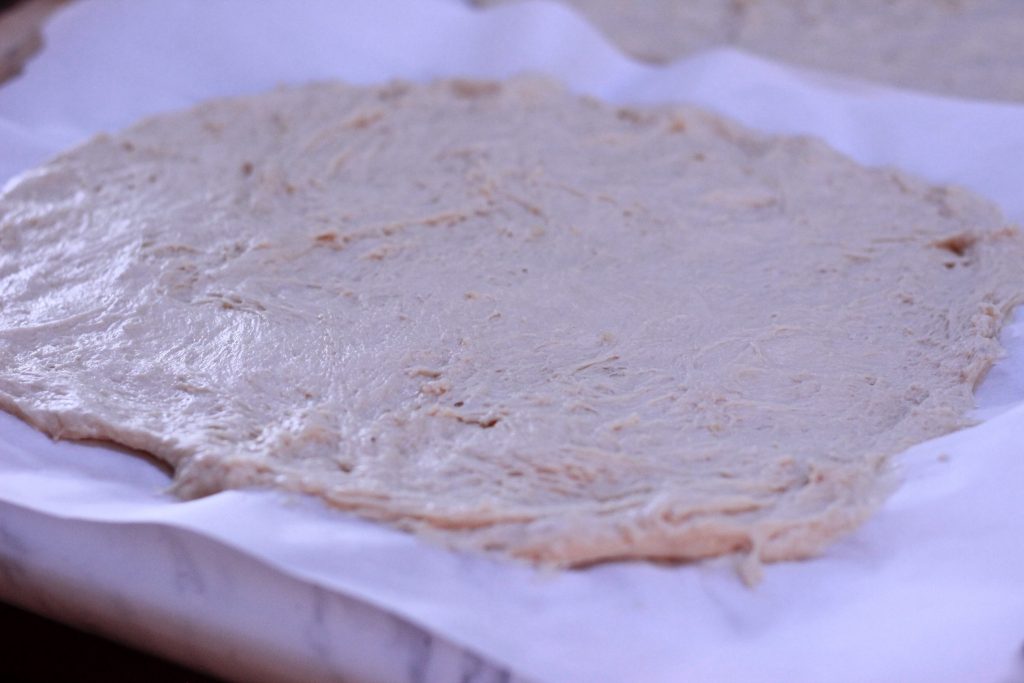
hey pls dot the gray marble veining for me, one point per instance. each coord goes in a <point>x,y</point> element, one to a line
<point>214,608</point>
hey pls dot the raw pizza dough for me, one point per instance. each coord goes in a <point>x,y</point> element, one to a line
<point>967,48</point>
<point>502,315</point>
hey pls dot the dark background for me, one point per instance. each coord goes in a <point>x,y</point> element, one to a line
<point>35,649</point>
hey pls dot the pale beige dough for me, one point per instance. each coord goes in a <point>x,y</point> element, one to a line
<point>502,315</point>
<point>966,48</point>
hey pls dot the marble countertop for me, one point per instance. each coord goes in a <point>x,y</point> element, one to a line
<point>213,608</point>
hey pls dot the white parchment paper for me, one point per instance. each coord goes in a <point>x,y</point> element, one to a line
<point>930,589</point>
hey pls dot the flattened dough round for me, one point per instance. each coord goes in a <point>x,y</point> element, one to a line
<point>502,315</point>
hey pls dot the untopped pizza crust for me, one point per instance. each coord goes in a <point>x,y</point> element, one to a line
<point>502,315</point>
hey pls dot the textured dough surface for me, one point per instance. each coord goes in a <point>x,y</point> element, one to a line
<point>967,48</point>
<point>503,315</point>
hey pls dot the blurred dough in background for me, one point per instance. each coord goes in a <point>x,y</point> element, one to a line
<point>964,48</point>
